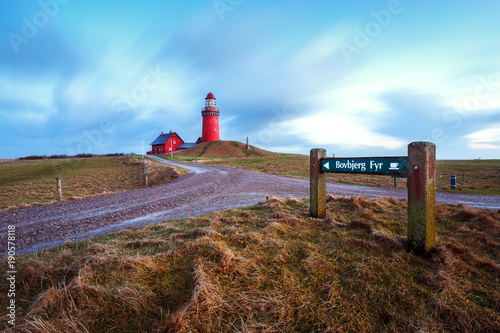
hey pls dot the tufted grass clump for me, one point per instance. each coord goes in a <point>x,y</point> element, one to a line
<point>272,268</point>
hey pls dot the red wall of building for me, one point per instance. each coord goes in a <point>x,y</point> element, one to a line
<point>165,148</point>
<point>210,130</point>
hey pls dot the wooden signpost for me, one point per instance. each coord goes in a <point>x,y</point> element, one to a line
<point>420,169</point>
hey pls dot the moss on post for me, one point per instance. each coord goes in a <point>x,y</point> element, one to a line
<point>317,184</point>
<point>421,197</point>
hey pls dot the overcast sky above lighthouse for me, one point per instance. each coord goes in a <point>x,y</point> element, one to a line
<point>355,77</point>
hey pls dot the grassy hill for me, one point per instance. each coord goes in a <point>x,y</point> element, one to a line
<point>269,268</point>
<point>223,149</point>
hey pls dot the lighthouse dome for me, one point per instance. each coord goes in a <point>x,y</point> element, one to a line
<point>210,96</point>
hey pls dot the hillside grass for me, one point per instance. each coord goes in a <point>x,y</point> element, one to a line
<point>220,149</point>
<point>269,268</point>
<point>481,176</point>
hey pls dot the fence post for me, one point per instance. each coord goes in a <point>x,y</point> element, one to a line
<point>421,197</point>
<point>145,171</point>
<point>317,184</point>
<point>59,188</point>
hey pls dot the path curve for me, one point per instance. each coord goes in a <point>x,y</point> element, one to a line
<point>205,189</point>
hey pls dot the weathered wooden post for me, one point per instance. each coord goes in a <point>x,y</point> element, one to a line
<point>317,184</point>
<point>59,188</point>
<point>421,197</point>
<point>145,171</point>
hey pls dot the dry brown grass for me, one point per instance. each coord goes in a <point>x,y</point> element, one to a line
<point>26,183</point>
<point>476,177</point>
<point>159,173</point>
<point>271,268</point>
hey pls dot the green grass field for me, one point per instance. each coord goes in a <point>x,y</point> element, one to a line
<point>25,183</point>
<point>475,177</point>
<point>269,268</point>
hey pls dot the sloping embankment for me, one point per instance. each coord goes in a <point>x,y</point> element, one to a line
<point>160,173</point>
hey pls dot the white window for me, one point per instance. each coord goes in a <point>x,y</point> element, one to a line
<point>170,149</point>
<point>174,142</point>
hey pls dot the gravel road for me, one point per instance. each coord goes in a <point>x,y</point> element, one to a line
<point>204,190</point>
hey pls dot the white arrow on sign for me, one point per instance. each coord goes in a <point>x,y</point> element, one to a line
<point>327,165</point>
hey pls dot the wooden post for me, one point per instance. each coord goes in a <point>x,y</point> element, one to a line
<point>421,197</point>
<point>145,172</point>
<point>59,188</point>
<point>317,184</point>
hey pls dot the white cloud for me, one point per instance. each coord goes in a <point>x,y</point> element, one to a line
<point>285,149</point>
<point>343,130</point>
<point>473,145</point>
<point>77,92</point>
<point>485,139</point>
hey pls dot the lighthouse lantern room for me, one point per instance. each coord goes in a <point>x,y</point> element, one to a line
<point>210,114</point>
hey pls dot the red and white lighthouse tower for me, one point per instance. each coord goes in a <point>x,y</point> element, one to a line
<point>210,114</point>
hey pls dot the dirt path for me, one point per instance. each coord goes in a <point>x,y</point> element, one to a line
<point>204,190</point>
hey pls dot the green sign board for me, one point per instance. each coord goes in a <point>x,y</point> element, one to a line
<point>397,166</point>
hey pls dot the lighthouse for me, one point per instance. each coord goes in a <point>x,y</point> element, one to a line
<point>210,114</point>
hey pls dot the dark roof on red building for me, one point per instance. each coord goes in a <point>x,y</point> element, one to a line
<point>210,96</point>
<point>162,138</point>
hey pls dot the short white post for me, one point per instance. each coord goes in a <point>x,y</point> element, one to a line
<point>59,188</point>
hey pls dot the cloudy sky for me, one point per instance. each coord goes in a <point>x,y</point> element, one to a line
<point>359,78</point>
